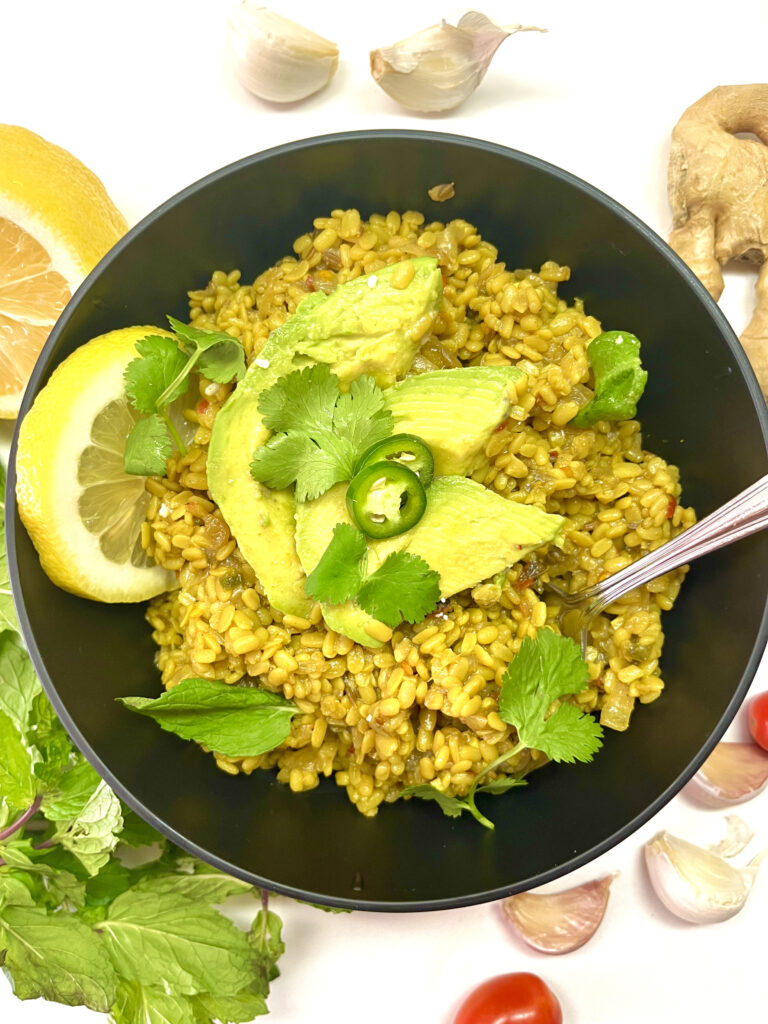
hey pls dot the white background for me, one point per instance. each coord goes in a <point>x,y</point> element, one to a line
<point>141,92</point>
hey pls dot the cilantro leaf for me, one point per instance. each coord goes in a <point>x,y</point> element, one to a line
<point>239,721</point>
<point>275,462</point>
<point>402,588</point>
<point>337,577</point>
<point>319,433</point>
<point>361,416</point>
<point>501,784</point>
<point>451,806</point>
<point>56,956</point>
<point>220,356</point>
<point>544,670</point>
<point>303,400</point>
<point>159,364</point>
<point>148,448</point>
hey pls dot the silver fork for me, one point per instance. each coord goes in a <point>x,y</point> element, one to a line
<point>743,515</point>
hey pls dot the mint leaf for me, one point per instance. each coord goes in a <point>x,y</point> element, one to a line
<point>18,683</point>
<point>72,791</point>
<point>56,956</point>
<point>17,781</point>
<point>239,1009</point>
<point>139,1004</point>
<point>95,832</point>
<point>619,378</point>
<point>159,364</point>
<point>206,885</point>
<point>267,944</point>
<point>148,447</point>
<point>544,670</point>
<point>137,832</point>
<point>337,577</point>
<point>167,940</point>
<point>14,893</point>
<point>221,357</point>
<point>112,880</point>
<point>50,740</point>
<point>402,588</point>
<point>239,721</point>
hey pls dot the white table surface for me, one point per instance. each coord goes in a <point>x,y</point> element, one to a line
<point>140,92</point>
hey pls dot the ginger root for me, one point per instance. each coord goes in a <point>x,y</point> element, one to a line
<point>718,190</point>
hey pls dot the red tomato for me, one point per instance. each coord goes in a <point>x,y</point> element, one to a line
<point>758,719</point>
<point>520,998</point>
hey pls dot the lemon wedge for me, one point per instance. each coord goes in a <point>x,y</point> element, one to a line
<point>81,509</point>
<point>56,222</point>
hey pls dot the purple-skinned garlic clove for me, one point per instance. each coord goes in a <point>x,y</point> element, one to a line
<point>559,922</point>
<point>733,773</point>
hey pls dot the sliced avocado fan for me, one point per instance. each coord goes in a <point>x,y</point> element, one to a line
<point>467,534</point>
<point>365,326</point>
<point>455,411</point>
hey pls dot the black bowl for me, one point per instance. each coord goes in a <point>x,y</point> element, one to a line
<point>702,411</point>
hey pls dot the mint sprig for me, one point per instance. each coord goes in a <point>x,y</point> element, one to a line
<point>160,375</point>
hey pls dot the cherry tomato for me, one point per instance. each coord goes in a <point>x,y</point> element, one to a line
<point>519,998</point>
<point>758,719</point>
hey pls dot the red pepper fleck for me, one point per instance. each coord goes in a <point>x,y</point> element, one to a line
<point>407,668</point>
<point>502,425</point>
<point>671,508</point>
<point>309,283</point>
<point>444,276</point>
<point>553,456</point>
<point>203,406</point>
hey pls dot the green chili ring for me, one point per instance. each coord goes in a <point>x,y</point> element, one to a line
<point>403,449</point>
<point>386,499</point>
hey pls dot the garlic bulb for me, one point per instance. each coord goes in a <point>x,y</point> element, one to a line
<point>695,884</point>
<point>733,773</point>
<point>439,67</point>
<point>276,58</point>
<point>559,922</point>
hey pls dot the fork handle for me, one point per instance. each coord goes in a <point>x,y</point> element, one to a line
<point>740,517</point>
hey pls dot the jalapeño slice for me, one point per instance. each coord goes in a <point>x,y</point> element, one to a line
<point>386,499</point>
<point>407,450</point>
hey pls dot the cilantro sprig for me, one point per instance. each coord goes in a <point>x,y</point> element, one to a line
<point>402,588</point>
<point>319,433</point>
<point>160,375</point>
<point>545,670</point>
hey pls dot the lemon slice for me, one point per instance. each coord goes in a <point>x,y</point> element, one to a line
<point>81,509</point>
<point>56,222</point>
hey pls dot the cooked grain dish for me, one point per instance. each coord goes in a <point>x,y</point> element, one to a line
<point>424,706</point>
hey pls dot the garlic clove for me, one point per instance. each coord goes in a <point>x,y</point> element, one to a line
<point>738,836</point>
<point>441,66</point>
<point>276,58</point>
<point>733,773</point>
<point>559,922</point>
<point>695,884</point>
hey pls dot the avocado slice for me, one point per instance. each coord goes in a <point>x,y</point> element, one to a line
<point>455,411</point>
<point>261,520</point>
<point>364,326</point>
<point>368,325</point>
<point>467,534</point>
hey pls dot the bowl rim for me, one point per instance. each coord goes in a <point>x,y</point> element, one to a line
<point>41,369</point>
